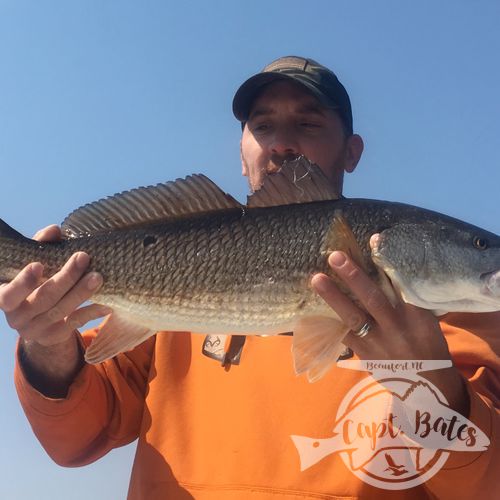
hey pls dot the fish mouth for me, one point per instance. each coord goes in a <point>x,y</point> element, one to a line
<point>491,283</point>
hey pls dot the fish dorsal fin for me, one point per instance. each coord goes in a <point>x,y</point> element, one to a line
<point>298,181</point>
<point>194,194</point>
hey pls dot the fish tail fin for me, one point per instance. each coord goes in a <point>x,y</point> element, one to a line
<point>312,450</point>
<point>317,344</point>
<point>10,233</point>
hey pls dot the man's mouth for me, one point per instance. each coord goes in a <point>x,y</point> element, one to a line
<point>277,161</point>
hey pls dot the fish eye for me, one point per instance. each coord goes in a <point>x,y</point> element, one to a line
<point>480,243</point>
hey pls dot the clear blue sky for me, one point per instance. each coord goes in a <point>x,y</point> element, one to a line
<point>97,97</point>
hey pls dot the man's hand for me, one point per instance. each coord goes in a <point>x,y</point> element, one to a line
<point>46,315</point>
<point>402,331</point>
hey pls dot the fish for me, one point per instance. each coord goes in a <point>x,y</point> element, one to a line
<point>186,256</point>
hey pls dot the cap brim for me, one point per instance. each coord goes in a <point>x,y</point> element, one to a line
<point>248,91</point>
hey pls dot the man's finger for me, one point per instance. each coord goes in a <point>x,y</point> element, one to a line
<point>348,312</point>
<point>85,314</point>
<point>368,293</point>
<point>79,294</point>
<point>53,290</point>
<point>14,293</point>
<point>62,331</point>
<point>49,233</point>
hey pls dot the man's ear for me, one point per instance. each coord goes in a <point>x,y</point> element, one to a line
<point>355,148</point>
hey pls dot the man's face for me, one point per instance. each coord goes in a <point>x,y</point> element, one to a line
<point>286,121</point>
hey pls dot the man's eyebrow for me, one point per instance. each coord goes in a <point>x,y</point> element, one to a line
<point>306,109</point>
<point>314,109</point>
<point>262,111</point>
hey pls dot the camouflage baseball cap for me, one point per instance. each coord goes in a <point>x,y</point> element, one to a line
<point>317,79</point>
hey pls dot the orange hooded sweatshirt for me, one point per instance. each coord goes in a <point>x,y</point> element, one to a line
<point>214,433</point>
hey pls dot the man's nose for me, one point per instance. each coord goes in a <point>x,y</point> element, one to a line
<point>284,143</point>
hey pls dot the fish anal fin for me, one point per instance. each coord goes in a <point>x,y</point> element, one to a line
<point>193,195</point>
<point>298,181</point>
<point>317,344</point>
<point>116,335</point>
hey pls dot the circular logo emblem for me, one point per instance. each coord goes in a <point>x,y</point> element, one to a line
<point>394,429</point>
<point>385,456</point>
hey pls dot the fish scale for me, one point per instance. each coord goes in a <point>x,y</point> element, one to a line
<point>198,277</point>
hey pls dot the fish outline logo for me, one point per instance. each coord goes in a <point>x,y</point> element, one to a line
<point>394,428</point>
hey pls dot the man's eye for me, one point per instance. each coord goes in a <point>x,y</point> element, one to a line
<point>310,125</point>
<point>260,127</point>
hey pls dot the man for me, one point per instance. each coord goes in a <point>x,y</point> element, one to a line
<point>212,431</point>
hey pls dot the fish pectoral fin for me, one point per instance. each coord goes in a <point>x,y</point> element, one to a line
<point>317,344</point>
<point>340,237</point>
<point>116,335</point>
